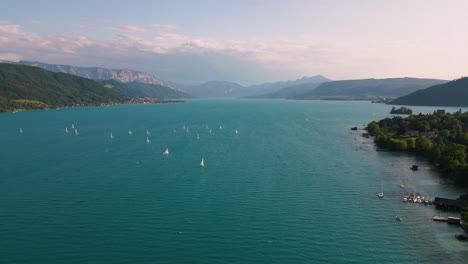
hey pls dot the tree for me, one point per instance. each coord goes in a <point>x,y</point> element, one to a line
<point>423,145</point>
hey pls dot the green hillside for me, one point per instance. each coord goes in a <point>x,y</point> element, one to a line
<point>454,93</point>
<point>367,88</point>
<point>139,89</point>
<point>26,87</point>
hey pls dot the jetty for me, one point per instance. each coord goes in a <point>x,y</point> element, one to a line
<point>450,219</point>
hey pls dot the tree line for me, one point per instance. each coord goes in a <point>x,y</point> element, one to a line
<point>440,137</point>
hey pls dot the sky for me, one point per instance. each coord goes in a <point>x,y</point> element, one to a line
<point>247,42</point>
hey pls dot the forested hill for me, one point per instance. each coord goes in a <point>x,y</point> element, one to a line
<point>440,137</point>
<point>392,87</point>
<point>27,87</point>
<point>139,89</point>
<point>454,93</point>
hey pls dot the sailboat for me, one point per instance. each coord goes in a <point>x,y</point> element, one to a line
<point>381,194</point>
<point>66,130</point>
<point>21,130</point>
<point>111,136</point>
<point>147,140</point>
<point>147,132</point>
<point>198,137</point>
<point>129,131</point>
<point>210,131</point>
<point>220,127</point>
<point>166,152</point>
<point>73,126</point>
<point>206,126</point>
<point>237,132</point>
<point>202,163</point>
<point>76,132</point>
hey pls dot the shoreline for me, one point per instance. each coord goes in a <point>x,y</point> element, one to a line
<point>129,102</point>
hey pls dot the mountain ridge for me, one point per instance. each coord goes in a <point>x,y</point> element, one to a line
<point>368,88</point>
<point>27,87</point>
<point>100,73</point>
<point>453,93</point>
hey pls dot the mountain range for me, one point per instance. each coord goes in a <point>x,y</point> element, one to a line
<point>454,93</point>
<point>26,87</point>
<point>98,73</point>
<point>139,90</point>
<point>222,89</point>
<point>128,82</point>
<point>367,88</point>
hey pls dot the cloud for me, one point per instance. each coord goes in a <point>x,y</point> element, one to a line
<point>9,56</point>
<point>160,50</point>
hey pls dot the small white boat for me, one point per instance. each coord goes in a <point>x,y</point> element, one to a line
<point>147,140</point>
<point>130,132</point>
<point>76,132</point>
<point>381,194</point>
<point>21,130</point>
<point>73,126</point>
<point>111,136</point>
<point>147,132</point>
<point>220,127</point>
<point>402,186</point>
<point>398,218</point>
<point>237,132</point>
<point>210,131</point>
<point>198,137</point>
<point>206,126</point>
<point>202,163</point>
<point>66,130</point>
<point>166,152</point>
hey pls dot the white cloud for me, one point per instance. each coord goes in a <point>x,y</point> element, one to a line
<point>159,49</point>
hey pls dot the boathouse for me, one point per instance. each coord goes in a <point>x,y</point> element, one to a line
<point>449,204</point>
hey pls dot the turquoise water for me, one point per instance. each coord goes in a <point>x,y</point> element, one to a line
<point>294,186</point>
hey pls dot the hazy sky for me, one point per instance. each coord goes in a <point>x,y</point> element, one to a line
<point>243,41</point>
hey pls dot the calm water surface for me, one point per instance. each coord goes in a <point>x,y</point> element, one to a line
<point>293,186</point>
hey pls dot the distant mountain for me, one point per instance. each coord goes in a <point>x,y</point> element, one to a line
<point>97,73</point>
<point>286,89</point>
<point>291,92</point>
<point>138,89</point>
<point>454,93</point>
<point>26,87</point>
<point>221,89</point>
<point>217,89</point>
<point>368,88</point>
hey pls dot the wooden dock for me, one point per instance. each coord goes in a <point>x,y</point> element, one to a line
<point>450,219</point>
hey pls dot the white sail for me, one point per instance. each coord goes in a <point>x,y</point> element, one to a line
<point>147,132</point>
<point>73,126</point>
<point>210,131</point>
<point>198,137</point>
<point>237,132</point>
<point>202,163</point>
<point>66,130</point>
<point>166,152</point>
<point>111,136</point>
<point>21,130</point>
<point>76,131</point>
<point>147,140</point>
<point>129,131</point>
<point>220,127</point>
